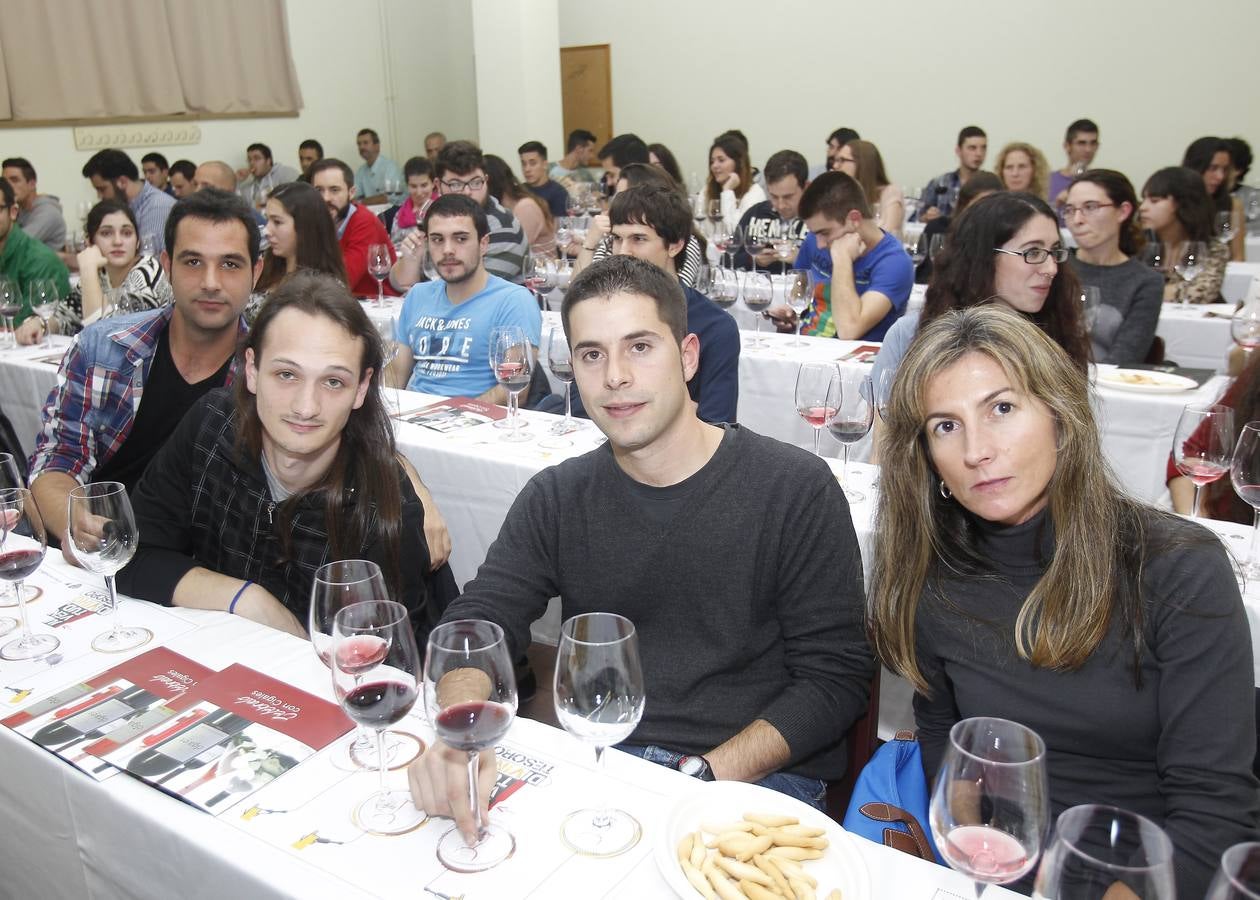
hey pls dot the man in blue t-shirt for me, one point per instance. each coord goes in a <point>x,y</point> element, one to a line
<point>445,325</point>
<point>863,276</point>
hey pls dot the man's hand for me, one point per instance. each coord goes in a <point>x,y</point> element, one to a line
<point>259,605</point>
<point>846,249</point>
<point>766,257</point>
<point>929,214</point>
<point>412,245</point>
<point>439,785</point>
<point>783,317</point>
<point>600,226</point>
<point>30,332</point>
<point>86,530</point>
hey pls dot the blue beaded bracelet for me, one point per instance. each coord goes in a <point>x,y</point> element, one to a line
<point>232,605</point>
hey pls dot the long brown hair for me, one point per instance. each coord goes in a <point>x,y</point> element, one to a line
<point>1094,575</point>
<point>870,169</point>
<point>316,239</point>
<point>737,150</point>
<point>366,466</point>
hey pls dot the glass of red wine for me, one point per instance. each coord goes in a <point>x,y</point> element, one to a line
<point>101,529</point>
<point>1244,473</point>
<point>511,360</point>
<point>817,396</point>
<point>379,261</point>
<point>375,671</point>
<point>23,543</point>
<point>1203,446</point>
<point>989,808</point>
<point>11,477</point>
<point>470,692</point>
<point>1238,878</point>
<point>560,360</point>
<point>1102,851</point>
<point>855,413</point>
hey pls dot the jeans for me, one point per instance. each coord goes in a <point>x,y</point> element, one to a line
<point>799,787</point>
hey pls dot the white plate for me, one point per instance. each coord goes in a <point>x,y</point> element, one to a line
<point>1146,382</point>
<point>841,866</point>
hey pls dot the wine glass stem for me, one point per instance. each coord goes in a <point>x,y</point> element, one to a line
<point>1194,512</point>
<point>26,626</point>
<point>844,466</point>
<point>817,449</point>
<point>380,292</point>
<point>1255,540</point>
<point>757,332</point>
<point>568,404</point>
<point>514,412</point>
<point>602,818</point>
<point>113,605</point>
<point>382,767</point>
<point>478,825</point>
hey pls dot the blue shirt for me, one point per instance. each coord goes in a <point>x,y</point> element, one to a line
<point>451,341</point>
<point>151,207</point>
<point>370,180</point>
<point>885,268</point>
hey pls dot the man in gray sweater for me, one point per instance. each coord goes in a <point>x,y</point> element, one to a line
<point>733,554</point>
<point>40,214</point>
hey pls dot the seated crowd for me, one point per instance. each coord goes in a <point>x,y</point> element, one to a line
<point>224,372</point>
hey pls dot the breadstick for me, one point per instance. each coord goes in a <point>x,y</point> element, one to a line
<point>794,853</point>
<point>802,830</point>
<point>752,847</point>
<point>792,840</point>
<point>725,889</point>
<point>792,869</point>
<point>753,891</point>
<point>723,827</point>
<point>775,873</point>
<point>802,889</point>
<point>770,820</point>
<point>742,871</point>
<point>684,847</point>
<point>698,881</point>
<point>835,894</point>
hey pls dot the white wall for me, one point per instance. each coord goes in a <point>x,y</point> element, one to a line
<point>347,83</point>
<point>907,74</point>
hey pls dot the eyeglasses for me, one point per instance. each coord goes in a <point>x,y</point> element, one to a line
<point>1035,256</point>
<point>463,187</point>
<point>1089,207</point>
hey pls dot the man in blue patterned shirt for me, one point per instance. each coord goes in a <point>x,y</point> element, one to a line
<point>941,193</point>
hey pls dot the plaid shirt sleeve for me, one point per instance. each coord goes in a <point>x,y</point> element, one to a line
<point>66,441</point>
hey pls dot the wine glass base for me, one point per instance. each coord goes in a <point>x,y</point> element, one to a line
<point>389,814</point>
<point>566,426</point>
<point>496,845</point>
<point>401,748</point>
<point>122,639</point>
<point>30,647</point>
<point>516,436</point>
<point>756,344</point>
<point>7,624</point>
<point>620,832</point>
<point>555,443</point>
<point>9,597</point>
<point>507,423</point>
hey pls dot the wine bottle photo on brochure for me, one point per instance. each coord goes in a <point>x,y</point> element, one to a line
<point>94,720</point>
<point>182,750</point>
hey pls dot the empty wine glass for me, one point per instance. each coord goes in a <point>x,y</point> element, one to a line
<point>917,249</point>
<point>1103,852</point>
<point>470,694</point>
<point>883,390</point>
<point>599,696</point>
<point>1154,255</point>
<point>511,361</point>
<point>560,361</point>
<point>799,293</point>
<point>1244,474</point>
<point>1203,445</point>
<point>564,233</point>
<point>817,396</point>
<point>1189,265</point>
<point>10,307</point>
<point>375,674</point>
<point>754,243</point>
<point>1238,878</point>
<point>989,808</point>
<point>379,262</point>
<point>1091,300</point>
<point>43,297</point>
<point>936,243</point>
<point>541,278</point>
<point>725,240</point>
<point>23,543</point>
<point>1244,328</point>
<point>387,328</point>
<point>1224,227</point>
<point>855,413</point>
<point>758,294</point>
<point>102,532</point>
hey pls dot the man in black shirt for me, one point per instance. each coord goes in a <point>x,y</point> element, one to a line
<point>777,219</point>
<point>536,173</point>
<point>127,381</point>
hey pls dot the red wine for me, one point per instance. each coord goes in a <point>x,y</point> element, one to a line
<point>473,725</point>
<point>817,416</point>
<point>513,375</point>
<point>1199,472</point>
<point>1250,493</point>
<point>847,431</point>
<point>379,703</point>
<point>16,565</point>
<point>358,654</point>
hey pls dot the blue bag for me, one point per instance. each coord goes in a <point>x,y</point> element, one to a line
<point>890,800</point>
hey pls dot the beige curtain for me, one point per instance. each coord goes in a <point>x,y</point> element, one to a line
<point>88,59</point>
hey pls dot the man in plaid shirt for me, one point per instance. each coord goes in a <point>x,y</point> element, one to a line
<point>100,423</point>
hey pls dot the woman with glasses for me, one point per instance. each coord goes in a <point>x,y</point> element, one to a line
<point>861,160</point>
<point>1101,212</point>
<point>1176,206</point>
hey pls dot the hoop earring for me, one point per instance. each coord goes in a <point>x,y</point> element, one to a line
<point>945,492</point>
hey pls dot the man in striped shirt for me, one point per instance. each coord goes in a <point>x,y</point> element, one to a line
<point>460,169</point>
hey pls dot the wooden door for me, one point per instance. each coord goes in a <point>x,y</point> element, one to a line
<point>586,91</point>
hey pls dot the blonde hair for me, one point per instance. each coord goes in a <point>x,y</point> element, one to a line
<point>1041,169</point>
<point>921,536</point>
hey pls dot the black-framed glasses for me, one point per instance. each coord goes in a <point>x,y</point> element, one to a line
<point>463,187</point>
<point>1035,256</point>
<point>1089,207</point>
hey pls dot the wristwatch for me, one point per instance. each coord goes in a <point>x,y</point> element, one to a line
<point>696,767</point>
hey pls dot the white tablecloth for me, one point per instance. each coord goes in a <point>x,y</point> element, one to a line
<point>1198,336</point>
<point>1253,248</point>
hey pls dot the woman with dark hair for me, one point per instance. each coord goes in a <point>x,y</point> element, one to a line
<point>731,180</point>
<point>259,487</point>
<point>1176,207</point>
<point>861,160</point>
<point>1101,212</point>
<point>660,156</point>
<point>1211,158</point>
<point>530,210</point>
<point>300,235</point>
<point>1248,197</point>
<point>1013,577</point>
<point>111,262</point>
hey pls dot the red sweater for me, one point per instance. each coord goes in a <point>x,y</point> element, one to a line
<point>362,231</point>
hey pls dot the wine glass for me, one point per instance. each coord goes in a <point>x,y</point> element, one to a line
<point>598,691</point>
<point>11,477</point>
<point>1238,878</point>
<point>714,211</point>
<point>916,249</point>
<point>387,328</point>
<point>817,396</point>
<point>102,532</point>
<point>560,361</point>
<point>1244,327</point>
<point>1224,227</point>
<point>754,243</point>
<point>855,413</point>
<point>1098,847</point>
<point>1202,445</point>
<point>936,243</point>
<point>23,543</point>
<point>379,263</point>
<point>10,306</point>
<point>1190,265</point>
<point>541,278</point>
<point>1091,300</point>
<point>799,293</point>
<point>511,363</point>
<point>564,233</point>
<point>574,205</point>
<point>989,808</point>
<point>375,674</point>
<point>43,297</point>
<point>725,287</point>
<point>470,693</point>
<point>1244,474</point>
<point>1155,256</point>
<point>883,390</point>
<point>725,240</point>
<point>758,294</point>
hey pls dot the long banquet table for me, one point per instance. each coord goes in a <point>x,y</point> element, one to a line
<point>69,836</point>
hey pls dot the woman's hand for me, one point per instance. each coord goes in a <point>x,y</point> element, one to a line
<point>90,259</point>
<point>731,182</point>
<point>259,605</point>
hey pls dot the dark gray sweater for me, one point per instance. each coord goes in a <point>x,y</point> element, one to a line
<point>1132,296</point>
<point>748,601</point>
<point>1178,750</point>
